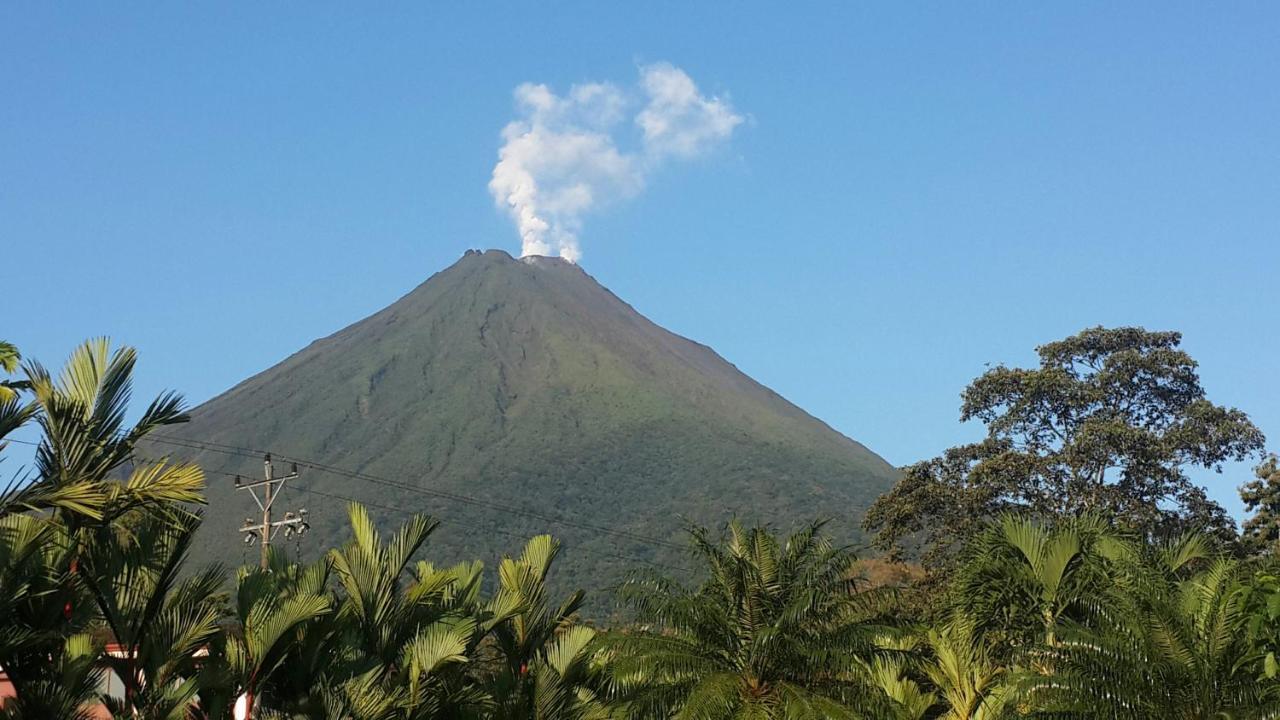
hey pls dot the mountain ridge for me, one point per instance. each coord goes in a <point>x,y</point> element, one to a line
<point>529,384</point>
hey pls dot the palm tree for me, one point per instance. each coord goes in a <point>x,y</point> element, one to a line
<point>279,632</point>
<point>158,615</point>
<point>1019,578</point>
<point>413,628</point>
<point>908,700</point>
<point>42,604</point>
<point>1166,641</point>
<point>13,412</point>
<point>85,442</point>
<point>66,688</point>
<point>79,547</point>
<point>776,630</point>
<point>545,665</point>
<point>10,359</point>
<point>363,697</point>
<point>973,686</point>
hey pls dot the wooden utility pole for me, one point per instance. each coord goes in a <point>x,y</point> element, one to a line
<point>271,486</point>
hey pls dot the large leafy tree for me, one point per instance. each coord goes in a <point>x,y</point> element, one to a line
<point>1109,423</point>
<point>1261,532</point>
<point>776,630</point>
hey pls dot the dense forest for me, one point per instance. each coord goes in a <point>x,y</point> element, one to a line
<point>1064,566</point>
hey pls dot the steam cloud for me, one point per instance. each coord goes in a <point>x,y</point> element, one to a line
<point>560,158</point>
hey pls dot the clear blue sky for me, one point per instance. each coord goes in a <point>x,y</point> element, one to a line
<point>917,191</point>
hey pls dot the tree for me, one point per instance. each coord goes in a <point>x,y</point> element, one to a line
<point>279,615</point>
<point>13,412</point>
<point>85,443</point>
<point>412,628</point>
<point>1260,598</point>
<point>1166,641</point>
<point>158,613</point>
<point>964,669</point>
<point>777,630</point>
<point>43,604</point>
<point>75,518</point>
<point>10,359</point>
<point>907,699</point>
<point>1262,498</point>
<point>66,688</point>
<point>1108,423</point>
<point>544,669</point>
<point>1018,578</point>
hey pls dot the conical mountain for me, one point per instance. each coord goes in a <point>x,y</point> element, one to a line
<point>509,397</point>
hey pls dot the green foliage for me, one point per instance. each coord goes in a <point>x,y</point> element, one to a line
<point>14,413</point>
<point>65,687</point>
<point>1017,578</point>
<point>546,661</point>
<point>1260,599</point>
<point>133,569</point>
<point>82,552</point>
<point>528,385</point>
<point>1107,424</point>
<point>85,442</point>
<point>1165,640</point>
<point>963,666</point>
<point>413,629</point>
<point>280,614</point>
<point>1044,615</point>
<point>1261,532</point>
<point>10,359</point>
<point>776,630</point>
<point>43,602</point>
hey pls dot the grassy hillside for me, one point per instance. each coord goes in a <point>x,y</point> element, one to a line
<point>527,384</point>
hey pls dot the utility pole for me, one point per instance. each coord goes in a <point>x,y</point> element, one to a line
<point>271,486</point>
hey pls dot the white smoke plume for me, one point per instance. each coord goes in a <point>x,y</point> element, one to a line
<point>561,159</point>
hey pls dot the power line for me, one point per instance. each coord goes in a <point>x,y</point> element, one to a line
<point>456,497</point>
<point>407,511</point>
<point>508,533</point>
<point>251,453</point>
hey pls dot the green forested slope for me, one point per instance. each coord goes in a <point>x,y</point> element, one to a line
<point>527,384</point>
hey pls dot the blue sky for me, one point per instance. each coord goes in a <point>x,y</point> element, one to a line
<point>916,191</point>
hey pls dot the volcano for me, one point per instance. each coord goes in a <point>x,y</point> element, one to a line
<point>509,397</point>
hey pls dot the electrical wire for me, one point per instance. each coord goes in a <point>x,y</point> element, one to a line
<point>251,453</point>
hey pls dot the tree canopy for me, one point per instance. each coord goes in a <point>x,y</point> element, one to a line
<point>1261,495</point>
<point>1041,615</point>
<point>1110,422</point>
